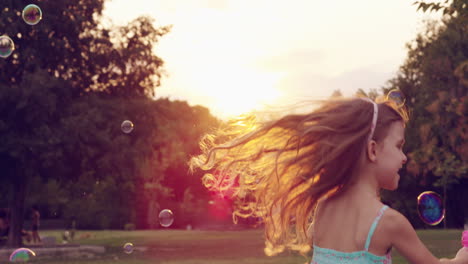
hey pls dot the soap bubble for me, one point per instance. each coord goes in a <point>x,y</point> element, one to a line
<point>32,14</point>
<point>6,46</point>
<point>166,218</point>
<point>22,255</point>
<point>397,97</point>
<point>430,208</point>
<point>127,126</point>
<point>128,248</point>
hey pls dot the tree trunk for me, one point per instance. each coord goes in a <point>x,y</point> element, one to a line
<point>17,209</point>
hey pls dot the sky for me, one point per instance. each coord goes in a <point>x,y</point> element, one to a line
<point>236,56</point>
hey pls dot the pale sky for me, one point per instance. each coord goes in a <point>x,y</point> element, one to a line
<point>234,56</point>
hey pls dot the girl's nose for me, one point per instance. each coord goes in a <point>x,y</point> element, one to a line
<point>404,159</point>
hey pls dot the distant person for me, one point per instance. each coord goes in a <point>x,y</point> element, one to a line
<point>35,224</point>
<point>316,178</point>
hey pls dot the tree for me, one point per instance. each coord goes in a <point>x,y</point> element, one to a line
<point>118,178</point>
<point>373,94</point>
<point>188,125</point>
<point>56,62</point>
<point>434,80</point>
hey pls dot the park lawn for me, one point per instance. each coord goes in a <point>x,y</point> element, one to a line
<point>213,247</point>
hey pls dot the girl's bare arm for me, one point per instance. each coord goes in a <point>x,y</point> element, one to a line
<point>407,242</point>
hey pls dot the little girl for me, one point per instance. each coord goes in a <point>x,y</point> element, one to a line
<point>315,181</point>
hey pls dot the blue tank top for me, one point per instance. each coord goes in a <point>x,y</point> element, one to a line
<point>329,256</point>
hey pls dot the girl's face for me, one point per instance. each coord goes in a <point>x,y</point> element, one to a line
<point>390,157</point>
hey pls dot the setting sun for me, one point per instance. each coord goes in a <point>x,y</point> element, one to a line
<point>234,90</point>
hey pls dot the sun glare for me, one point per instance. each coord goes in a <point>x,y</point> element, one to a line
<point>235,56</point>
<point>237,91</point>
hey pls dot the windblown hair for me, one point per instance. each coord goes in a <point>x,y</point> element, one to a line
<point>280,169</point>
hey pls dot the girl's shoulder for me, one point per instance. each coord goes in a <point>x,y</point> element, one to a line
<point>392,218</point>
<point>392,222</point>
<point>385,226</point>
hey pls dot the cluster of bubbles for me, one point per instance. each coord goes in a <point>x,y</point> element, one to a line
<point>31,14</point>
<point>22,255</point>
<point>430,208</point>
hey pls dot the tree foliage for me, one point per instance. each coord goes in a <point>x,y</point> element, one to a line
<point>45,88</point>
<point>117,178</point>
<point>434,79</point>
<point>71,43</point>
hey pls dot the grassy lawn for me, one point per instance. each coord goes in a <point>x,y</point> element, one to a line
<point>212,247</point>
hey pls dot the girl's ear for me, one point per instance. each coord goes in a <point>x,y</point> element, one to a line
<point>372,151</point>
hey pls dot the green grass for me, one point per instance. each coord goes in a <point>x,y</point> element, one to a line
<point>442,243</point>
<point>213,247</point>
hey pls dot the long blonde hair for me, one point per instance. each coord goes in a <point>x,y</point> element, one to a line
<point>278,170</point>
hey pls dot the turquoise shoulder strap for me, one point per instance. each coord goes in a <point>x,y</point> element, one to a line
<point>373,226</point>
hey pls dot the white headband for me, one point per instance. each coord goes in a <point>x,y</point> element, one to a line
<point>374,117</point>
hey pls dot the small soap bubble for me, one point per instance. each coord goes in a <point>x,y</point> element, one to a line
<point>127,126</point>
<point>166,218</point>
<point>22,255</point>
<point>128,248</point>
<point>430,208</point>
<point>6,46</point>
<point>397,97</point>
<point>32,14</point>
